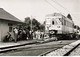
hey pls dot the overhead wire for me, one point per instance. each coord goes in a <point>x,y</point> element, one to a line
<point>52,6</point>
<point>60,6</point>
<point>64,8</point>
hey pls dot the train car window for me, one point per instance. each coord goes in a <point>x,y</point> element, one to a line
<point>57,21</point>
<point>53,22</point>
<point>64,22</point>
<point>61,20</point>
<point>48,21</point>
<point>67,23</point>
<point>73,24</point>
<point>70,24</point>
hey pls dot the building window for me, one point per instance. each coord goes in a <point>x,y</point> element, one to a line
<point>10,29</point>
<point>9,24</point>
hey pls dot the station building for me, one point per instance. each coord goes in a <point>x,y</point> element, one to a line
<point>7,23</point>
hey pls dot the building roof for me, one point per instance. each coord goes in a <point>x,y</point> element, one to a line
<point>4,15</point>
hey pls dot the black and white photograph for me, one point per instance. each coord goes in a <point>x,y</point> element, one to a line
<point>39,28</point>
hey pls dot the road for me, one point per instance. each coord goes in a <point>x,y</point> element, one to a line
<point>37,49</point>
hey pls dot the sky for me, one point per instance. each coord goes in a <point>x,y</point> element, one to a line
<point>38,9</point>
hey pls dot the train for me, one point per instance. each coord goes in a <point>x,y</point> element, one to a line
<point>60,26</point>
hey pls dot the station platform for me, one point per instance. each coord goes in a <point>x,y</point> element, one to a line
<point>4,45</point>
<point>12,44</point>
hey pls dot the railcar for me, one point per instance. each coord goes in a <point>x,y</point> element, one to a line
<point>76,31</point>
<point>58,25</point>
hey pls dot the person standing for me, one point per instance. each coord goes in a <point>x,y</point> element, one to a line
<point>15,34</point>
<point>24,34</point>
<point>42,35</point>
<point>19,34</point>
<point>31,35</point>
<point>27,33</point>
<point>37,34</point>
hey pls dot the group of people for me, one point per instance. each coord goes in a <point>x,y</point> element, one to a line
<point>24,34</point>
<point>39,35</point>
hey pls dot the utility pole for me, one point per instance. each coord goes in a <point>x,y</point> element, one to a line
<point>31,23</point>
<point>31,28</point>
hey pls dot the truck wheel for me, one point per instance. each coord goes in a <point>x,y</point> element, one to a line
<point>10,39</point>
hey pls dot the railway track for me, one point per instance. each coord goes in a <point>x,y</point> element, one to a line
<point>68,53</point>
<point>75,52</point>
<point>30,50</point>
<point>64,51</point>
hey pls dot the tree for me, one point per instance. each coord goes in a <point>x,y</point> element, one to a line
<point>42,27</point>
<point>35,23</point>
<point>28,22</point>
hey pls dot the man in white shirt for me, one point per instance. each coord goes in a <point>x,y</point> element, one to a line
<point>15,34</point>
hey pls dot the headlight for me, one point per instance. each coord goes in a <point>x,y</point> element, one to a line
<point>52,32</point>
